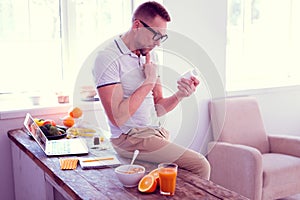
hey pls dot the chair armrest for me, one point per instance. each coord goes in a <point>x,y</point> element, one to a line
<point>236,167</point>
<point>283,144</point>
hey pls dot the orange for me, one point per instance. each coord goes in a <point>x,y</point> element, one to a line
<point>68,121</point>
<point>147,184</point>
<point>75,112</point>
<point>155,174</point>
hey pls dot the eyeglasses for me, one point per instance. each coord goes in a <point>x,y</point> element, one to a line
<point>157,35</point>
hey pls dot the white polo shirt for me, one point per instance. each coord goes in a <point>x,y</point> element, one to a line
<point>116,64</point>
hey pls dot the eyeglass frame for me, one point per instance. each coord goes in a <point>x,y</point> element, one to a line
<point>161,37</point>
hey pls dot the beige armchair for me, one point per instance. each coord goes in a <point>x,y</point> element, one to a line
<point>244,158</point>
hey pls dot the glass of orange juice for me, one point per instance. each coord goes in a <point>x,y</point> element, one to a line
<point>167,178</point>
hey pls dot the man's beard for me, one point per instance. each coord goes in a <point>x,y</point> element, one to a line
<point>144,51</point>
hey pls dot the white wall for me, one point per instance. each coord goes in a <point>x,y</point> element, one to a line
<point>6,174</point>
<point>281,110</point>
<point>199,29</point>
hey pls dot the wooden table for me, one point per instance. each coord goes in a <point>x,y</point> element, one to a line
<point>98,183</point>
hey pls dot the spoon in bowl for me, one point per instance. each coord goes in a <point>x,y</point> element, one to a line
<point>135,154</point>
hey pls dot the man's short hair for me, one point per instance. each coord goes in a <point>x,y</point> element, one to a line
<point>149,10</point>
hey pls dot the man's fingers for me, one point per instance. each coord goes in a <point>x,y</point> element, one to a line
<point>148,58</point>
<point>195,80</point>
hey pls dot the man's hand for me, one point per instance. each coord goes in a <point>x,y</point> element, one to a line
<point>186,87</point>
<point>150,69</point>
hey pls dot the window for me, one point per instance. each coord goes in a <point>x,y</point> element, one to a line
<point>263,41</point>
<point>29,44</point>
<point>43,43</point>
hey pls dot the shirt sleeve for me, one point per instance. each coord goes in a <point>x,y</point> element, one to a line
<point>106,70</point>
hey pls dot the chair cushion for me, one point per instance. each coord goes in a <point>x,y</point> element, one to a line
<point>238,121</point>
<point>281,175</point>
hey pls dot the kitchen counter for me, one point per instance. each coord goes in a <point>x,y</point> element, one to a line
<point>40,177</point>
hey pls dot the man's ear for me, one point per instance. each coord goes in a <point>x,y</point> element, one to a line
<point>135,24</point>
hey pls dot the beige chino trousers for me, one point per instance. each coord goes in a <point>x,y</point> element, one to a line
<point>154,146</point>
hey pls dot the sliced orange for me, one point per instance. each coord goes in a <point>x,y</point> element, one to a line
<point>155,174</point>
<point>147,184</point>
<point>75,112</point>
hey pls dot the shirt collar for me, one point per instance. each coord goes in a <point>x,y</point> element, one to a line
<point>122,46</point>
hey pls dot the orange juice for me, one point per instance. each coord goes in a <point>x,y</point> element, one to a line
<point>167,179</point>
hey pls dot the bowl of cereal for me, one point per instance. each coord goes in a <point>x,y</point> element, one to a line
<point>130,175</point>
